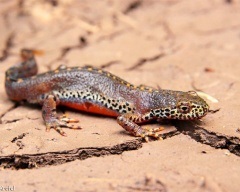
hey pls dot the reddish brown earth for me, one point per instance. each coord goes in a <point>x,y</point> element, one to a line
<point>180,45</point>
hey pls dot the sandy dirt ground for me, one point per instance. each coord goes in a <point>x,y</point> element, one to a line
<point>173,44</point>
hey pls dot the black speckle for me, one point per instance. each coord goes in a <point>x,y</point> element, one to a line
<point>167,114</point>
<point>120,107</point>
<point>127,104</point>
<point>172,112</point>
<point>129,109</point>
<point>157,111</point>
<point>124,106</point>
<point>124,111</point>
<point>167,110</point>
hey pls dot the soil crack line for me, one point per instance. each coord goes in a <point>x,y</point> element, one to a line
<point>132,6</point>
<point>64,51</point>
<point>10,109</point>
<point>143,61</point>
<point>8,45</point>
<point>216,140</point>
<point>30,161</point>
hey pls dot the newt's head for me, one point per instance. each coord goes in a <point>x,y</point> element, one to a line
<point>186,106</point>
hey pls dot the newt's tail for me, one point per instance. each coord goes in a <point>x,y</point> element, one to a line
<point>27,68</point>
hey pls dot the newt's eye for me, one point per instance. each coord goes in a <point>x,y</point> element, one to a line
<point>193,93</point>
<point>184,107</point>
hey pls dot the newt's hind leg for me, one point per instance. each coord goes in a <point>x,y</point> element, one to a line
<point>50,116</point>
<point>128,122</point>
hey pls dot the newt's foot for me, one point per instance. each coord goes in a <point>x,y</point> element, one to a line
<point>136,130</point>
<point>151,132</point>
<point>62,121</point>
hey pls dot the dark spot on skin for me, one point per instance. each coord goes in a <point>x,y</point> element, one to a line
<point>124,106</point>
<point>167,114</point>
<point>200,110</point>
<point>109,101</point>
<point>124,111</point>
<point>111,107</point>
<point>84,97</point>
<point>74,96</point>
<point>127,104</point>
<point>172,112</point>
<point>151,115</point>
<point>167,110</point>
<point>146,118</point>
<point>120,107</point>
<point>54,98</point>
<point>129,109</point>
<point>157,111</point>
<point>66,95</point>
<point>184,108</point>
<point>106,105</point>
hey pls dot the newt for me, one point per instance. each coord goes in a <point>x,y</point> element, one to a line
<point>95,90</point>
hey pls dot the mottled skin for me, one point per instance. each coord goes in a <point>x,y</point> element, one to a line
<point>94,90</point>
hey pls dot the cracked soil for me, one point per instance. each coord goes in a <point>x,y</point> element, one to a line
<point>168,44</point>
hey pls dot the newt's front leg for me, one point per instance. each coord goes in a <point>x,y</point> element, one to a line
<point>129,123</point>
<point>52,120</point>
